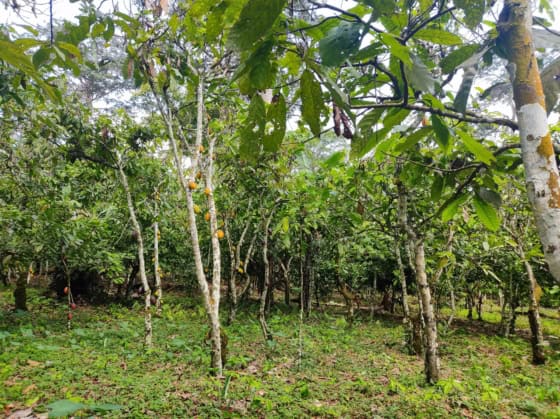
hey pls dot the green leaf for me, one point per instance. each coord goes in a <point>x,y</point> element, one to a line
<point>420,76</point>
<point>41,56</point>
<point>285,224</point>
<point>380,8</point>
<point>474,11</point>
<point>340,43</point>
<point>396,48</point>
<point>440,37</point>
<point>334,160</point>
<point>72,49</point>
<point>255,20</point>
<point>253,129</point>
<point>412,139</point>
<point>451,61</point>
<point>442,132</point>
<point>311,101</point>
<point>486,214</point>
<point>490,196</point>
<point>452,207</point>
<point>62,408</point>
<point>370,119</point>
<point>437,188</point>
<point>276,116</point>
<point>476,148</point>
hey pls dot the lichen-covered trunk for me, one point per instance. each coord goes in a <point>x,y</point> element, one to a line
<point>142,264</point>
<point>541,170</point>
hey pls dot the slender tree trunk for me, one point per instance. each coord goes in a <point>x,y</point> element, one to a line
<point>262,314</point>
<point>142,264</point>
<point>537,340</point>
<point>408,327</point>
<point>431,362</point>
<point>211,294</point>
<point>286,276</point>
<point>541,171</point>
<point>157,270</point>
<point>452,301</point>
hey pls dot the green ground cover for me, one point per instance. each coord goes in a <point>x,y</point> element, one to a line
<point>358,372</point>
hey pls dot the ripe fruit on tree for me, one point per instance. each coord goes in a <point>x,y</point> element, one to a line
<point>192,185</point>
<point>201,148</point>
<point>73,306</point>
<point>220,234</point>
<point>207,191</point>
<point>66,290</point>
<point>70,315</point>
<point>207,216</point>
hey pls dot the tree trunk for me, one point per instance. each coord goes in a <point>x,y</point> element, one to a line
<point>407,324</point>
<point>286,276</point>
<point>157,270</point>
<point>210,297</point>
<point>452,302</point>
<point>537,340</point>
<point>431,361</point>
<point>20,292</point>
<point>142,264</point>
<point>266,285</point>
<point>307,275</point>
<point>541,170</point>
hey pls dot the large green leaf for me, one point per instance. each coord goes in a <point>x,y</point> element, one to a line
<point>451,61</point>
<point>311,101</point>
<point>437,36</point>
<point>340,43</point>
<point>486,214</point>
<point>452,207</point>
<point>62,408</point>
<point>442,132</point>
<point>253,130</point>
<point>396,48</point>
<point>276,122</point>
<point>370,119</point>
<point>412,139</point>
<point>480,152</point>
<point>419,76</point>
<point>255,20</point>
<point>16,58</point>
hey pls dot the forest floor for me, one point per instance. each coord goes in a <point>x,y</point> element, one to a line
<point>101,365</point>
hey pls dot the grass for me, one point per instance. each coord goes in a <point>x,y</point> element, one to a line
<point>358,372</point>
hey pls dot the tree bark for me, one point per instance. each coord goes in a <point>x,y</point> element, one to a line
<point>210,296</point>
<point>431,361</point>
<point>157,270</point>
<point>541,170</point>
<point>262,315</point>
<point>141,261</point>
<point>537,340</point>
